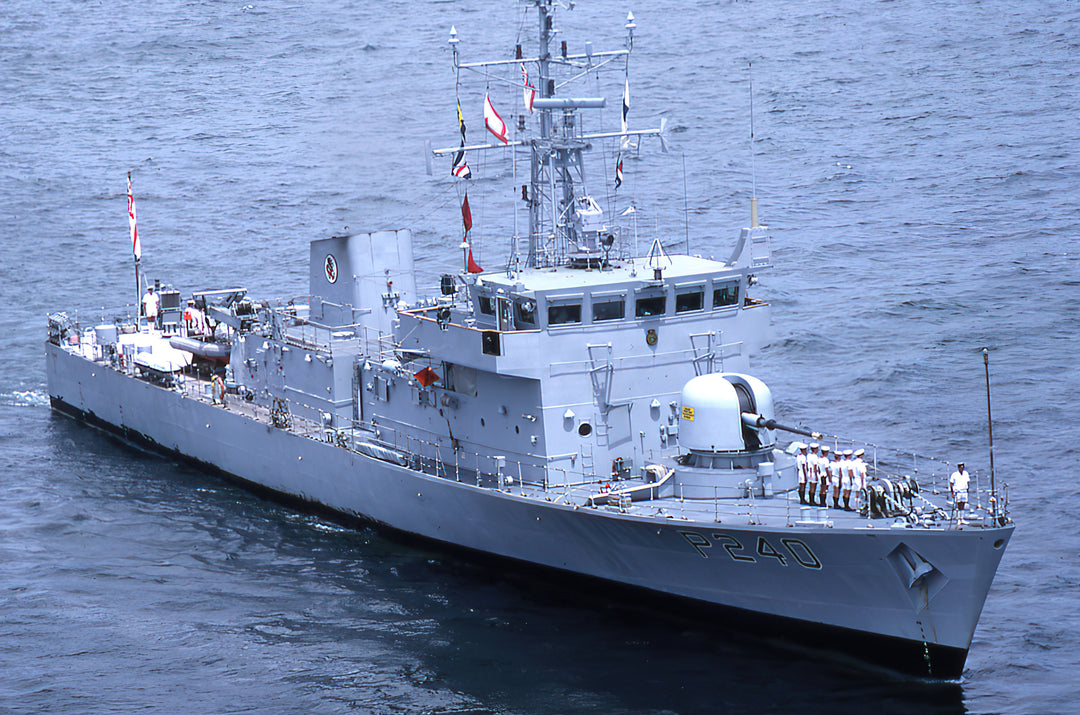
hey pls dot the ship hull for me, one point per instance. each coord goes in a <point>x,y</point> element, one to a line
<point>841,589</point>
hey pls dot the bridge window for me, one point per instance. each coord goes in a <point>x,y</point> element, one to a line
<point>725,295</point>
<point>564,313</point>
<point>526,311</point>
<point>487,305</point>
<point>608,309</point>
<point>649,306</point>
<point>691,300</point>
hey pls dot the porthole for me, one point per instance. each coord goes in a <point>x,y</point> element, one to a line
<point>584,429</point>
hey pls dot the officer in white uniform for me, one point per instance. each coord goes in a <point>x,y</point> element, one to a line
<point>150,306</point>
<point>958,485</point>
<point>802,466</point>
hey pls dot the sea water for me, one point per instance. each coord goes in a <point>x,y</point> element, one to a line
<point>916,161</point>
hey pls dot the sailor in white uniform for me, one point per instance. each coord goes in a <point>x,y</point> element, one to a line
<point>958,485</point>
<point>812,471</point>
<point>150,306</point>
<point>823,475</point>
<point>858,480</point>
<point>835,469</point>
<point>194,320</point>
<point>846,477</point>
<point>802,466</point>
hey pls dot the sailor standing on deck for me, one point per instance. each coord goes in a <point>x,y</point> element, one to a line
<point>835,469</point>
<point>150,306</point>
<point>824,470</point>
<point>958,485</point>
<point>858,480</point>
<point>194,320</point>
<point>802,466</point>
<point>846,477</point>
<point>812,470</point>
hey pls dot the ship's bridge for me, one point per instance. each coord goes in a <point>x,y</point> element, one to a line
<point>682,286</point>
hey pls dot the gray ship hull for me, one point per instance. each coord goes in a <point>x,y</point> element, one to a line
<point>843,587</point>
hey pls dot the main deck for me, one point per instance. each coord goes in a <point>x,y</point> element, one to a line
<point>647,494</point>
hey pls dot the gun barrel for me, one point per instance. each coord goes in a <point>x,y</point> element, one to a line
<point>752,420</point>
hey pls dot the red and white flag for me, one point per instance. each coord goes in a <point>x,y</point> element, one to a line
<point>493,121</point>
<point>625,103</point>
<point>136,245</point>
<point>466,215</point>
<point>530,91</point>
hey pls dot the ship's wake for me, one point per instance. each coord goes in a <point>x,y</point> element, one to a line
<point>24,398</point>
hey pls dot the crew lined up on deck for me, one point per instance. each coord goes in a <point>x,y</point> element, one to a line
<point>844,474</point>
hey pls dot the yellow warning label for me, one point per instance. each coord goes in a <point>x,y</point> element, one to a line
<point>688,413</point>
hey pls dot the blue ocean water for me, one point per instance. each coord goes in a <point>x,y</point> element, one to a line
<point>919,163</point>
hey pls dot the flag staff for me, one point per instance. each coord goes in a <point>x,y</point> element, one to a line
<point>136,248</point>
<point>138,297</point>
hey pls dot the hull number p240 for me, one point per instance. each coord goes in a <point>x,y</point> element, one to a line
<point>793,549</point>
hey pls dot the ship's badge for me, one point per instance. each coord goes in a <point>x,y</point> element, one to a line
<point>650,337</point>
<point>331,268</point>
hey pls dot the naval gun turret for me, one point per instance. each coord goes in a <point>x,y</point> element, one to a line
<point>727,434</point>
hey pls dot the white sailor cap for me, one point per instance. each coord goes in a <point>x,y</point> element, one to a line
<point>814,445</point>
<point>860,452</point>
<point>824,448</point>
<point>848,453</point>
<point>802,446</point>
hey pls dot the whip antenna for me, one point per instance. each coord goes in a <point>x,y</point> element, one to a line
<point>685,209</point>
<point>990,431</point>
<point>753,168</point>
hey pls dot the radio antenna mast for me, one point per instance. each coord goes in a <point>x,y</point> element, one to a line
<point>990,430</point>
<point>753,167</point>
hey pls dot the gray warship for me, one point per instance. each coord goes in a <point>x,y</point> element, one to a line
<point>587,410</point>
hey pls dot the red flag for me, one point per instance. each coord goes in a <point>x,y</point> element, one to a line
<point>136,245</point>
<point>472,266</point>
<point>493,121</point>
<point>466,214</point>
<point>426,377</point>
